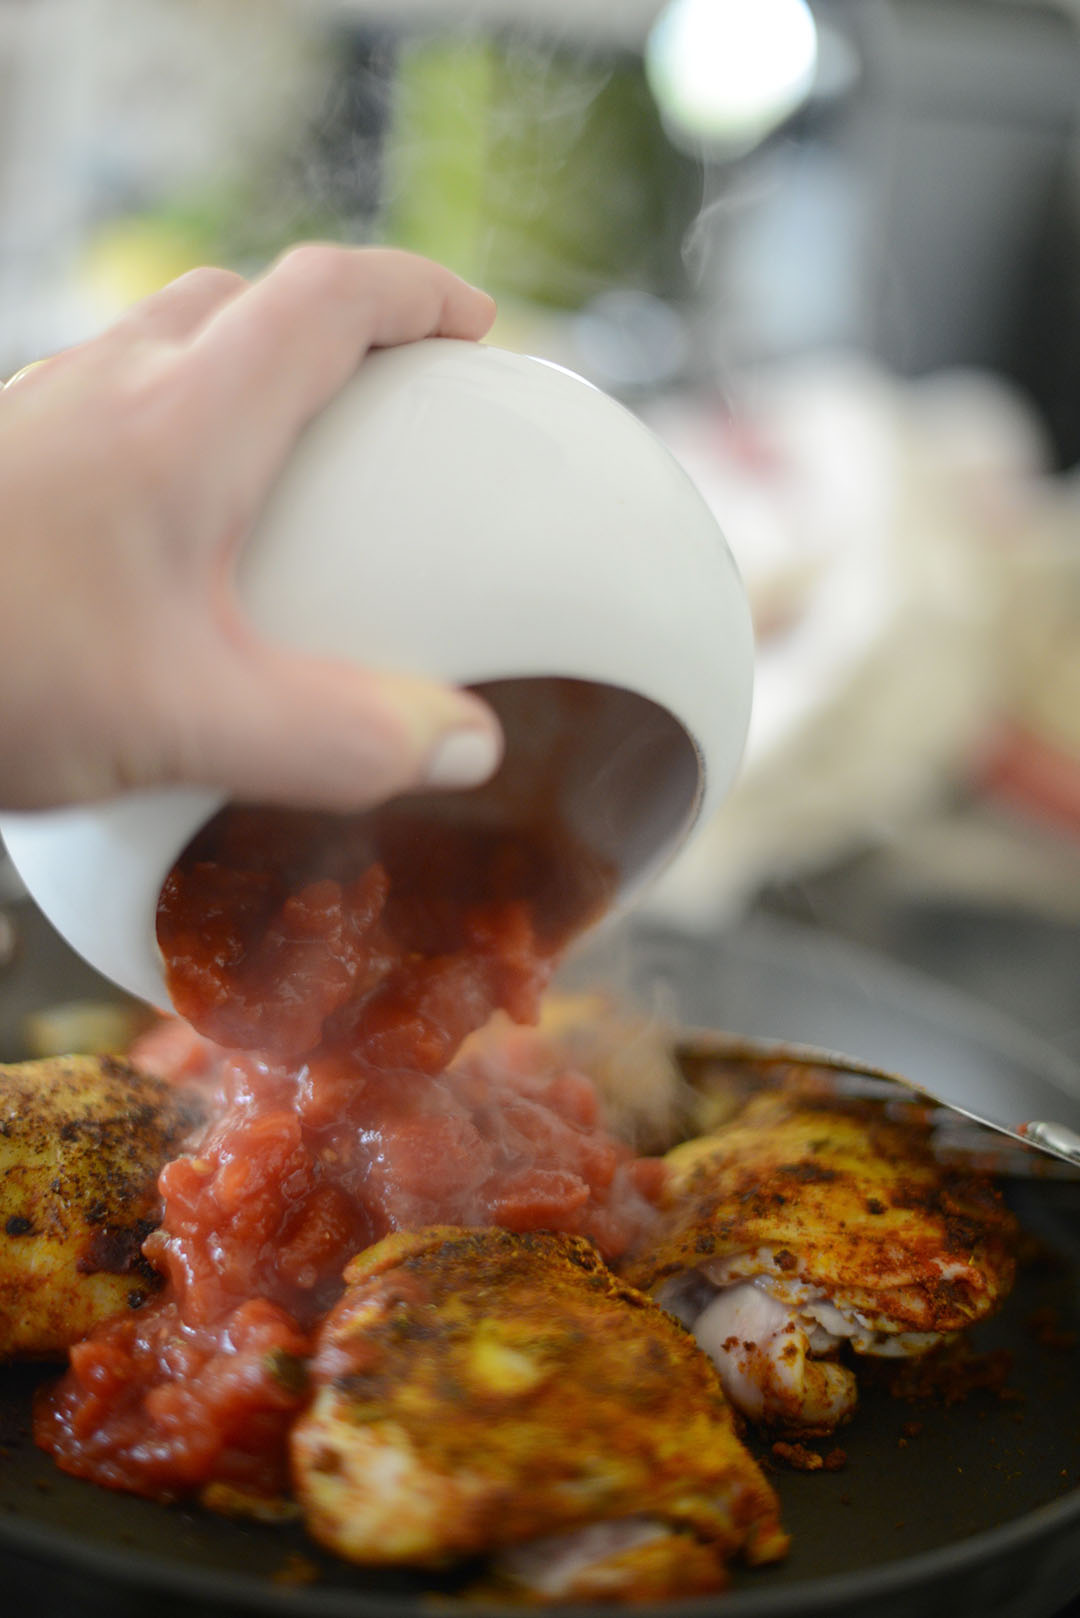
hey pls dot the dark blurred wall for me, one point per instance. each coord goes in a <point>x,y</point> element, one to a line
<point>974,169</point>
<point>929,214</point>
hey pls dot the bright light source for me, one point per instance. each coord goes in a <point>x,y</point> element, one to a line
<point>727,72</point>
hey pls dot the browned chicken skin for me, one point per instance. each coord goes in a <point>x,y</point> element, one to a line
<point>809,1220</point>
<point>82,1139</point>
<point>479,1390</point>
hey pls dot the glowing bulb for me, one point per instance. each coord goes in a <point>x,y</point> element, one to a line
<point>729,71</point>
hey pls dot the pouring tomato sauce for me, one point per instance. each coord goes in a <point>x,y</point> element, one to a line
<point>332,975</point>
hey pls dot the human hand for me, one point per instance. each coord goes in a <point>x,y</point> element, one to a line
<point>132,468</point>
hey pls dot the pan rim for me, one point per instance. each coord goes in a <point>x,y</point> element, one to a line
<point>138,1571</point>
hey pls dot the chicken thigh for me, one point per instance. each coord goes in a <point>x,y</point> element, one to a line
<point>808,1222</point>
<point>482,1391</point>
<point>82,1139</point>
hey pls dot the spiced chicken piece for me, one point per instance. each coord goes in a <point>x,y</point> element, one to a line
<point>809,1222</point>
<point>482,1391</point>
<point>82,1139</point>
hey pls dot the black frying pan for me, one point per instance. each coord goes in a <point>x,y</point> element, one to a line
<point>975,1515</point>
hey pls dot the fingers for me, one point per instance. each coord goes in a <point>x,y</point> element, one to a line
<point>171,315</point>
<point>275,356</point>
<point>299,731</point>
<point>180,308</point>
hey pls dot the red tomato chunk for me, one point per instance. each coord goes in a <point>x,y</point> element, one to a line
<point>341,1114</point>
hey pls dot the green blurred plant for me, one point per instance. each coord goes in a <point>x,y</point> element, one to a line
<point>535,172</point>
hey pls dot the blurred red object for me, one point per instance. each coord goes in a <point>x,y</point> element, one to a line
<point>1035,775</point>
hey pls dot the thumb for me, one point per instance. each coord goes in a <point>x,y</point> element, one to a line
<point>283,728</point>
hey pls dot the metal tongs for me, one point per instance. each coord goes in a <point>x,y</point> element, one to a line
<point>985,1136</point>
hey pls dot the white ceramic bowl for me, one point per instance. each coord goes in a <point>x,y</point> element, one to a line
<point>481,517</point>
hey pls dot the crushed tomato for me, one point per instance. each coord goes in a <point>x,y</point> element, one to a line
<point>332,982</point>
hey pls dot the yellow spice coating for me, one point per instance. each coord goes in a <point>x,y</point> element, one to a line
<point>480,1388</point>
<point>850,1201</point>
<point>82,1139</point>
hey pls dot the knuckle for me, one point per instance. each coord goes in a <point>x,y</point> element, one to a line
<point>212,279</point>
<point>320,269</point>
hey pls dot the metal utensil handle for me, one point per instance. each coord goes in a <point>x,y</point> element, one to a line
<point>1055,1137</point>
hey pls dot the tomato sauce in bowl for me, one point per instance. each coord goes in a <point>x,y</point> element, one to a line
<point>329,979</point>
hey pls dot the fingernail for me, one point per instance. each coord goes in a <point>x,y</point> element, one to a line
<point>18,376</point>
<point>463,758</point>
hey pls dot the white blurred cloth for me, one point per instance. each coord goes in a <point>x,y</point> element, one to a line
<point>904,547</point>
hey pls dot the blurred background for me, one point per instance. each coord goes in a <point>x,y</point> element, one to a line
<point>829,250</point>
